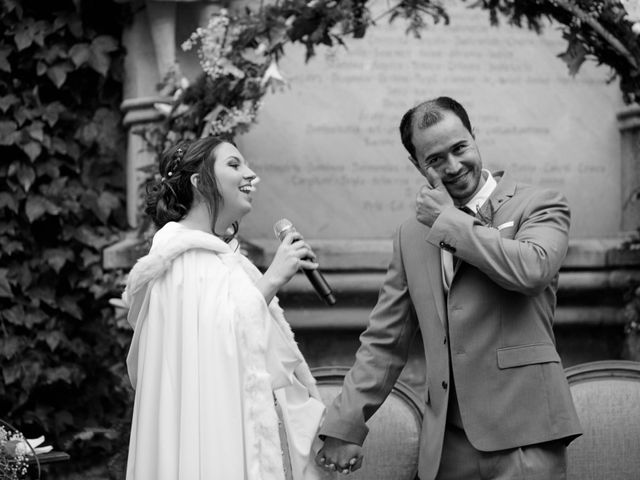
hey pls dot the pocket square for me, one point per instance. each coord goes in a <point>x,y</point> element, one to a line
<point>505,225</point>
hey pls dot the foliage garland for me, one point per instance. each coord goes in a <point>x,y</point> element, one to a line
<point>239,51</point>
<point>61,199</point>
<point>604,31</point>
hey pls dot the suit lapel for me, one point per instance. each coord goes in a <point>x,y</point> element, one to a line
<point>504,190</point>
<point>434,269</point>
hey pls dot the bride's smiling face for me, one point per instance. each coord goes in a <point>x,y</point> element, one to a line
<point>236,183</point>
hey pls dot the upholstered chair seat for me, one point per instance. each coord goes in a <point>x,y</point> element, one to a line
<point>607,398</point>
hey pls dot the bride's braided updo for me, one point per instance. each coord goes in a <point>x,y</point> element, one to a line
<point>170,198</point>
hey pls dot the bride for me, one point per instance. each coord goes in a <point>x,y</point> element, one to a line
<point>222,391</point>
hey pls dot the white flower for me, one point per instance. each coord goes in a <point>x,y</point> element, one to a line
<point>272,76</point>
<point>163,108</point>
<point>22,448</point>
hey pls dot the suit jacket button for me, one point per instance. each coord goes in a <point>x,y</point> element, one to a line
<point>444,385</point>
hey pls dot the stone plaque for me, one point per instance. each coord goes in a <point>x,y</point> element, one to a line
<point>329,153</point>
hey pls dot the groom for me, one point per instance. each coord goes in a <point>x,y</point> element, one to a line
<point>476,271</point>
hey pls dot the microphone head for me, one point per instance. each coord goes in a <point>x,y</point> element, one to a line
<point>282,227</point>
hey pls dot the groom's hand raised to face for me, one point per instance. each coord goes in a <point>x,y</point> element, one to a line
<point>432,199</point>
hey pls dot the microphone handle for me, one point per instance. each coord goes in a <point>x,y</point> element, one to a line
<point>320,285</point>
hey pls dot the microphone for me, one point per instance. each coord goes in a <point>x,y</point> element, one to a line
<point>322,288</point>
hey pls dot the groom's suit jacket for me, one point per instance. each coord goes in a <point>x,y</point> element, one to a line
<point>496,321</point>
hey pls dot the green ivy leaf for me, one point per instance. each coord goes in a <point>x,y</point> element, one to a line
<point>87,133</point>
<point>37,206</point>
<point>9,201</point>
<point>53,339</point>
<point>43,293</point>
<point>5,66</point>
<point>32,149</point>
<point>10,247</point>
<point>11,373</point>
<point>108,202</point>
<point>30,31</point>
<point>575,55</point>
<point>34,317</point>
<point>69,304</point>
<point>36,131</point>
<point>10,346</point>
<point>5,287</point>
<point>52,112</point>
<point>7,228</point>
<point>7,102</point>
<point>25,34</point>
<point>87,237</point>
<point>56,187</point>
<point>8,132</point>
<point>89,257</point>
<point>57,257</point>
<point>59,145</point>
<point>63,418</point>
<point>41,68</point>
<point>58,73</point>
<point>22,114</point>
<point>57,374</point>
<point>51,169</point>
<point>80,54</point>
<point>46,142</point>
<point>71,21</point>
<point>26,176</point>
<point>101,46</point>
<point>14,315</point>
<point>24,275</point>
<point>73,149</point>
<point>53,53</point>
<point>30,375</point>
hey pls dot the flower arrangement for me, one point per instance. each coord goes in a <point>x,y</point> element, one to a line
<point>14,450</point>
<point>238,63</point>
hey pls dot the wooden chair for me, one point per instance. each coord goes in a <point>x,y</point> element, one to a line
<point>607,398</point>
<point>392,445</point>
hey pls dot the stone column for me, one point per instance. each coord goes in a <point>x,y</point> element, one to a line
<point>629,124</point>
<point>142,75</point>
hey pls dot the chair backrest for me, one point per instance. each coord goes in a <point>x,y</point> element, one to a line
<point>392,446</point>
<point>607,398</point>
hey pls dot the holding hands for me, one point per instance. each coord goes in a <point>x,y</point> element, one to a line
<point>432,199</point>
<point>339,455</point>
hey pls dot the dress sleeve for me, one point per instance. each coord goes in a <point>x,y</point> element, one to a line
<point>187,421</point>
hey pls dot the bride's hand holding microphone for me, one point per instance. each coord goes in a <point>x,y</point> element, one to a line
<point>292,254</point>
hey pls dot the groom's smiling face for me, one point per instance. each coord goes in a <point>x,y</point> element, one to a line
<point>450,149</point>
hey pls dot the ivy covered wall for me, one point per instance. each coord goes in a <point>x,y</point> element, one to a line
<point>62,146</point>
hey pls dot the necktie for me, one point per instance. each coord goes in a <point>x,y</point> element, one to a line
<point>467,210</point>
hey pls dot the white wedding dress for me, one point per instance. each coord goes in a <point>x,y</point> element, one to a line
<point>206,359</point>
